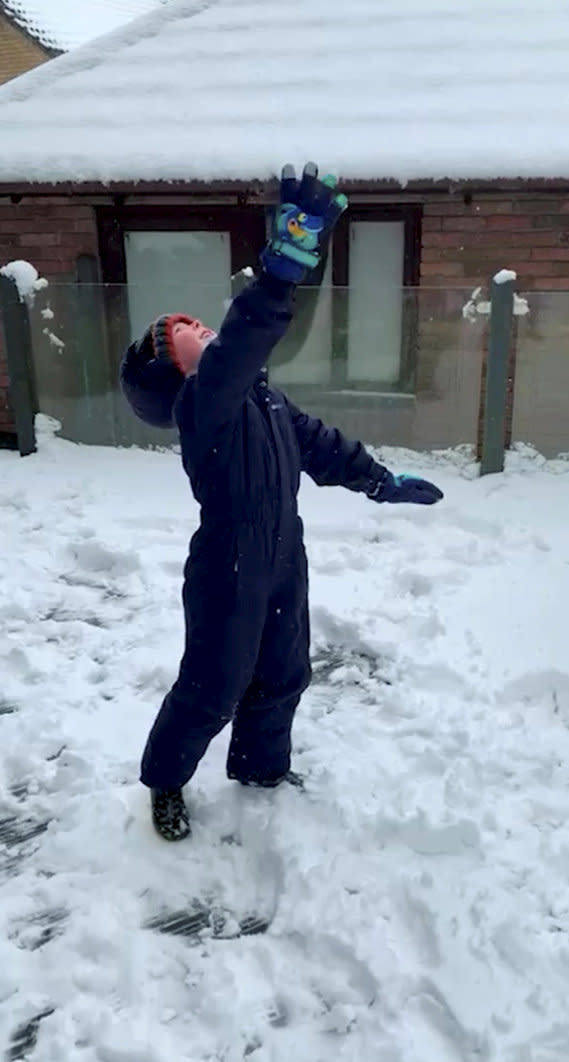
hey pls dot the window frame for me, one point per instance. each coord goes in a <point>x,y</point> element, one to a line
<point>246,225</point>
<point>411,216</point>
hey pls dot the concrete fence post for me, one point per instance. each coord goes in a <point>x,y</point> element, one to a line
<point>496,384</point>
<point>15,322</point>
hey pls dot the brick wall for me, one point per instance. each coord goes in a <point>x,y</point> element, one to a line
<point>465,243</point>
<point>50,234</point>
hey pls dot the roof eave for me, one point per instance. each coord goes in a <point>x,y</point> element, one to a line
<point>259,190</point>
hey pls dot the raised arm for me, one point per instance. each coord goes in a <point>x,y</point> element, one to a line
<point>259,316</point>
<point>253,325</point>
<point>153,372</point>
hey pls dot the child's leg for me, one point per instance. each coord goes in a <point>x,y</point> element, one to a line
<point>181,733</point>
<point>223,634</point>
<point>260,743</point>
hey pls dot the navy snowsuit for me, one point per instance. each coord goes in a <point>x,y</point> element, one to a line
<point>243,444</point>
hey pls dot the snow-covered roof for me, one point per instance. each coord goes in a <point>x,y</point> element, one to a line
<point>66,24</point>
<point>220,89</point>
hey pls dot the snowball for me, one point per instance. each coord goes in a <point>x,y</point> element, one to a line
<point>504,275</point>
<point>25,277</point>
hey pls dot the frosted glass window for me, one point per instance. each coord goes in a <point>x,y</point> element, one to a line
<point>307,361</point>
<point>375,302</point>
<point>177,272</point>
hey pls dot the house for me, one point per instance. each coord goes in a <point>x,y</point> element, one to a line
<point>138,173</point>
<point>33,31</point>
<point>22,47</point>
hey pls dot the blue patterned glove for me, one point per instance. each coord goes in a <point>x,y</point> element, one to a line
<point>405,489</point>
<point>302,224</point>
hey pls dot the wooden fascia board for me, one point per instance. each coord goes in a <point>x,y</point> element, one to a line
<point>259,191</point>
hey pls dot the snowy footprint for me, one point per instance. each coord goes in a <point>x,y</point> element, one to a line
<point>437,1032</point>
<point>24,1037</point>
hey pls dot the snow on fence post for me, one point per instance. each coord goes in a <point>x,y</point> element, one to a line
<point>18,347</point>
<point>496,388</point>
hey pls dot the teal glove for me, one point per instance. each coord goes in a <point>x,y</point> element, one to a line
<point>303,222</point>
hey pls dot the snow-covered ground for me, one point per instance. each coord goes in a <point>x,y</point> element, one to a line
<point>416,893</point>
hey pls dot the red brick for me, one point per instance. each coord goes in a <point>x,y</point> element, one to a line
<point>44,260</point>
<point>543,205</point>
<point>557,269</point>
<point>433,254</point>
<point>446,269</point>
<point>53,267</point>
<point>465,224</point>
<point>509,221</point>
<point>75,210</point>
<point>441,239</point>
<point>41,202</point>
<point>430,224</point>
<point>446,208</point>
<point>40,239</point>
<point>492,206</point>
<point>27,212</point>
<point>53,207</point>
<point>9,225</point>
<point>534,268</point>
<point>551,284</point>
<point>77,243</point>
<point>486,264</point>
<point>551,254</point>
<point>85,225</point>
<point>38,208</point>
<point>551,221</point>
<point>29,226</point>
<point>509,238</point>
<point>65,224</point>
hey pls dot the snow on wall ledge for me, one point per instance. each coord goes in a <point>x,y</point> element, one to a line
<point>400,90</point>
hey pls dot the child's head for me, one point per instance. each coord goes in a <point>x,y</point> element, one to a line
<point>182,339</point>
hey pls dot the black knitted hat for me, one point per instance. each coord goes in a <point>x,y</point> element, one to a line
<point>158,340</point>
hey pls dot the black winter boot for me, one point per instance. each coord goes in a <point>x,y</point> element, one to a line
<point>170,814</point>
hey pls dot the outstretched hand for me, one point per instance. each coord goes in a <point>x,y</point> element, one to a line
<point>303,221</point>
<point>409,489</point>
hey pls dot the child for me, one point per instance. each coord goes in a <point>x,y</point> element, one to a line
<point>243,445</point>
